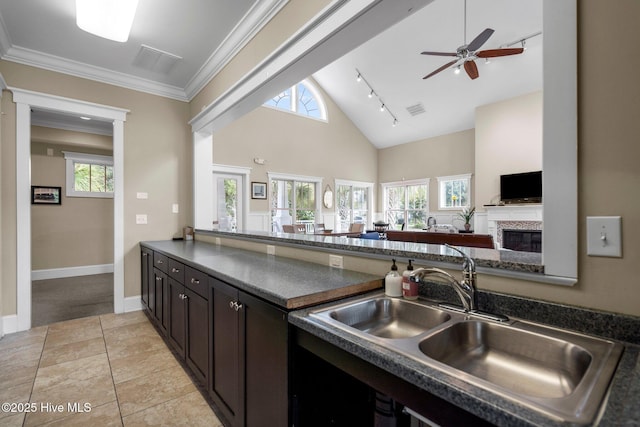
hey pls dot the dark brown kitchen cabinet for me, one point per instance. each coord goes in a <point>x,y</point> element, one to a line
<point>177,331</point>
<point>188,329</point>
<point>161,299</point>
<point>147,294</point>
<point>250,358</point>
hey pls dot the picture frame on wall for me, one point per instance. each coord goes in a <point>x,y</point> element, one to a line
<point>45,195</point>
<point>258,190</point>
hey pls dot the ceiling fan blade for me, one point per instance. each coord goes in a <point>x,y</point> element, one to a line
<point>492,53</point>
<point>440,53</point>
<point>444,67</point>
<point>480,40</point>
<point>472,69</point>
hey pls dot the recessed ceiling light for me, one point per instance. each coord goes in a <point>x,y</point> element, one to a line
<point>110,19</point>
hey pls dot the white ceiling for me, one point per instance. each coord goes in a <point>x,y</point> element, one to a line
<point>206,33</point>
<point>393,66</point>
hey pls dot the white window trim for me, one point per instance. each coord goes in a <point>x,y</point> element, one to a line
<point>324,117</point>
<point>72,157</point>
<point>368,185</point>
<point>386,185</point>
<point>298,178</point>
<point>460,177</point>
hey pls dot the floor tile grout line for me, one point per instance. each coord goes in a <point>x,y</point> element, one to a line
<point>113,383</point>
<point>33,383</point>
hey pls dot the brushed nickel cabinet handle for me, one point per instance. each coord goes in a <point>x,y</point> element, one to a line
<point>175,270</point>
<point>195,281</point>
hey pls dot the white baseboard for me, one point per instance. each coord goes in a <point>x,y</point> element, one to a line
<point>9,324</point>
<point>58,273</point>
<point>132,304</point>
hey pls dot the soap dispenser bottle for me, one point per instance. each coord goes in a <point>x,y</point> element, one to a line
<point>393,282</point>
<point>409,288</point>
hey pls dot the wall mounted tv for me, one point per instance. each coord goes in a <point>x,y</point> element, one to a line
<point>521,187</point>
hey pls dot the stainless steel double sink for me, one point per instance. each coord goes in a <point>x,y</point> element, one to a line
<point>563,374</point>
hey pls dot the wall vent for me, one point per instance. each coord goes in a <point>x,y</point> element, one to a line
<point>416,109</point>
<point>152,59</point>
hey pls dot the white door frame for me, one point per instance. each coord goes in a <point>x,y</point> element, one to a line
<point>243,173</point>
<point>24,101</point>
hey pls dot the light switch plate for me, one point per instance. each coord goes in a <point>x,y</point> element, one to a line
<point>141,218</point>
<point>175,208</point>
<point>271,250</point>
<point>141,195</point>
<point>604,236</point>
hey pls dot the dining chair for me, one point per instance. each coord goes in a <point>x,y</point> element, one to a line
<point>288,228</point>
<point>356,228</point>
<point>299,228</point>
<point>318,228</point>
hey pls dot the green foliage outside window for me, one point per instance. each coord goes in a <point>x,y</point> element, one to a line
<point>93,178</point>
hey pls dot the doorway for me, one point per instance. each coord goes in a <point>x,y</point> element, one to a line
<point>228,194</point>
<point>25,101</point>
<point>72,239</point>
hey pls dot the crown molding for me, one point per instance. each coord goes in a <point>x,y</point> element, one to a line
<point>74,68</point>
<point>251,23</point>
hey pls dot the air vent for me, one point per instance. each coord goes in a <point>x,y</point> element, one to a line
<point>156,60</point>
<point>416,109</point>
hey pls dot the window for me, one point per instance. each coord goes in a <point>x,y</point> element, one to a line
<point>303,99</point>
<point>454,191</point>
<point>88,175</point>
<point>353,203</point>
<point>294,200</point>
<point>406,204</point>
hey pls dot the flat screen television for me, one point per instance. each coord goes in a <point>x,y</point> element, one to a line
<point>521,187</point>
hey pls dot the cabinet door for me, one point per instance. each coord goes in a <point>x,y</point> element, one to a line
<point>159,283</point>
<point>197,350</point>
<point>176,326</point>
<point>146,269</point>
<point>265,330</point>
<point>227,380</point>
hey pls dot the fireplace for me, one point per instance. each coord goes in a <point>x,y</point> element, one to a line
<point>516,217</point>
<point>522,240</point>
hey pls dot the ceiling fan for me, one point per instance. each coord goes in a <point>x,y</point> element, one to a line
<point>467,53</point>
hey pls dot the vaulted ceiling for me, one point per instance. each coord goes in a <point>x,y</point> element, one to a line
<point>176,47</point>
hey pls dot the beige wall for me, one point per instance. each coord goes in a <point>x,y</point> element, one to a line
<point>297,145</point>
<point>445,155</point>
<point>79,231</point>
<point>508,140</point>
<point>157,157</point>
<point>157,152</point>
<point>607,156</point>
<point>275,33</point>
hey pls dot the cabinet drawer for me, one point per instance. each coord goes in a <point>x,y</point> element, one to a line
<point>161,262</point>
<point>176,270</point>
<point>197,281</point>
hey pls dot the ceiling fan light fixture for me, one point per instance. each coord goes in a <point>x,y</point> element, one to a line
<point>457,70</point>
<point>109,19</point>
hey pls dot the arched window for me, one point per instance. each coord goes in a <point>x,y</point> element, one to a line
<point>303,99</point>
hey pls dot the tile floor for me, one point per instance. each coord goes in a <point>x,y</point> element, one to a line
<point>116,364</point>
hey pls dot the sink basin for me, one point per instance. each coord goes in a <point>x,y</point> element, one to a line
<point>389,317</point>
<point>523,362</point>
<point>560,373</point>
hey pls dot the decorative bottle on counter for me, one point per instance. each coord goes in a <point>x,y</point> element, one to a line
<point>393,282</point>
<point>409,288</point>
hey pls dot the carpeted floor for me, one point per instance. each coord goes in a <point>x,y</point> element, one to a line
<point>55,300</point>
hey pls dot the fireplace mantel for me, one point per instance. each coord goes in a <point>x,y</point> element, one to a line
<point>519,217</point>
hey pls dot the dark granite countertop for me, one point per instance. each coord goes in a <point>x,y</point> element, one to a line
<point>621,408</point>
<point>522,262</point>
<point>285,282</point>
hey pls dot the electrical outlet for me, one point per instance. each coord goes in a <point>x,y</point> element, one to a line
<point>141,218</point>
<point>142,195</point>
<point>604,236</point>
<point>218,242</point>
<point>335,261</point>
<point>271,250</point>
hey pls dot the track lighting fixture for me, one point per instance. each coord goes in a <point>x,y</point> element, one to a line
<point>372,93</point>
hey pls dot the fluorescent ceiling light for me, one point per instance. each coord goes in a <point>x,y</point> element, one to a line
<point>111,19</point>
